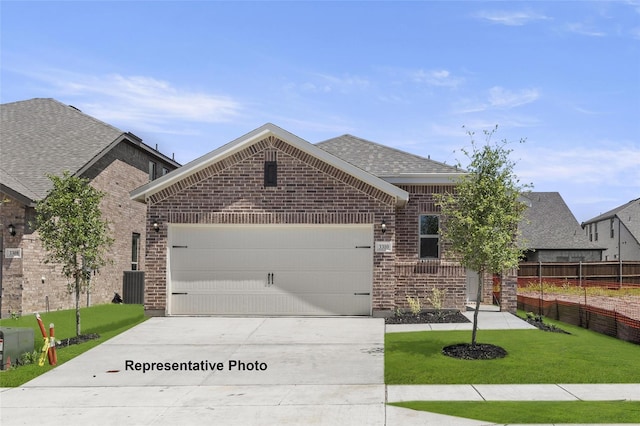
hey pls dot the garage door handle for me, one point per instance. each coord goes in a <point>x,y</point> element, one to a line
<point>363,246</point>
<point>178,293</point>
<point>269,279</point>
<point>178,246</point>
<point>361,294</point>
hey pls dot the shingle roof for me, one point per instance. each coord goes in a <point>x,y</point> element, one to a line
<point>382,161</point>
<point>629,215</point>
<point>42,136</point>
<point>549,224</point>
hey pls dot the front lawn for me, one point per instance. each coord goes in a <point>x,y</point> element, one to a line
<point>534,356</point>
<point>516,412</point>
<point>105,320</point>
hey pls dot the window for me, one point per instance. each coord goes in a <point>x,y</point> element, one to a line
<point>270,173</point>
<point>612,233</point>
<point>429,236</point>
<point>164,171</point>
<point>596,226</point>
<point>590,232</point>
<point>135,251</point>
<point>152,170</point>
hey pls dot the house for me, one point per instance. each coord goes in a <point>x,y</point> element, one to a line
<point>270,224</point>
<point>43,136</point>
<point>552,233</point>
<point>618,231</point>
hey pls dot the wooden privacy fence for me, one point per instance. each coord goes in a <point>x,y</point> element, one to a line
<point>609,274</point>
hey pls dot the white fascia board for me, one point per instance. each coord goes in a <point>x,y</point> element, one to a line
<point>424,178</point>
<point>145,191</point>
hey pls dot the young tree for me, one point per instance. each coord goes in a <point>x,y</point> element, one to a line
<point>70,225</point>
<point>481,217</point>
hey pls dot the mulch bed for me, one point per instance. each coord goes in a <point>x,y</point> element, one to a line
<point>441,317</point>
<point>479,351</point>
<point>537,322</point>
<point>77,339</point>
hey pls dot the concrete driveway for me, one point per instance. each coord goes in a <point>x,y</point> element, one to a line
<point>228,371</point>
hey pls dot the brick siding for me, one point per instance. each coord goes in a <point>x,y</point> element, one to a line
<point>117,173</point>
<point>418,277</point>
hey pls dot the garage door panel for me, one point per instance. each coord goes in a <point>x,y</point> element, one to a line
<point>274,304</point>
<point>271,270</point>
<point>329,282</point>
<point>265,237</point>
<point>214,259</point>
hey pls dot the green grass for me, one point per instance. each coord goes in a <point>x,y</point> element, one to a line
<point>105,320</point>
<point>510,412</point>
<point>534,356</point>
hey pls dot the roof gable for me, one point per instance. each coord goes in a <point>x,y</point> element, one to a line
<point>549,224</point>
<point>197,169</point>
<point>629,215</point>
<point>43,136</point>
<point>388,163</point>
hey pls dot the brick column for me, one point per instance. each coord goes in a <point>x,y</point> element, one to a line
<point>508,291</point>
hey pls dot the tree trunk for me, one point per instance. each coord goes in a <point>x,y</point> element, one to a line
<point>475,313</point>
<point>77,304</point>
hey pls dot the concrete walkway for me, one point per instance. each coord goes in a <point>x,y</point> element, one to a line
<point>215,370</point>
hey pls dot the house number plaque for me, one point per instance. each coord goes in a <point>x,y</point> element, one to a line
<point>384,246</point>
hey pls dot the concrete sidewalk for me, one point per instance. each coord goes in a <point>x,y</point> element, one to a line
<point>561,392</point>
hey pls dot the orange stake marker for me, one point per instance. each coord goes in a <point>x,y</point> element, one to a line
<point>45,346</point>
<point>41,325</point>
<point>53,357</point>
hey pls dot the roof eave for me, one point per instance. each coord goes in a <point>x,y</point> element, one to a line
<point>27,201</point>
<point>424,178</point>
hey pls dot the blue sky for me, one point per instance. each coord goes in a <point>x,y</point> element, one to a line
<point>191,76</point>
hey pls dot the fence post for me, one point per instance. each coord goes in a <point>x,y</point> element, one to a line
<point>580,273</point>
<point>541,300</point>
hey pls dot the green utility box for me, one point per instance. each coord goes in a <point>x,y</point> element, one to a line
<point>14,341</point>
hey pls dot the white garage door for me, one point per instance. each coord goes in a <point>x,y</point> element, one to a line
<point>270,269</point>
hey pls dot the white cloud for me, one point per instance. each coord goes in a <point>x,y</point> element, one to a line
<point>497,98</point>
<point>503,98</point>
<point>442,78</point>
<point>511,18</point>
<point>326,83</point>
<point>585,166</point>
<point>584,29</point>
<point>146,99</point>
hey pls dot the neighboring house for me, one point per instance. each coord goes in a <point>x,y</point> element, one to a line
<point>618,231</point>
<point>43,136</point>
<point>270,224</point>
<point>552,233</point>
